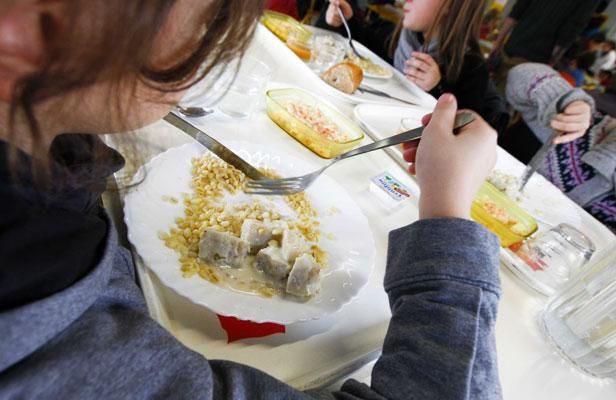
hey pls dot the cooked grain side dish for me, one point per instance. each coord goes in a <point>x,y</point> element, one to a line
<point>246,245</point>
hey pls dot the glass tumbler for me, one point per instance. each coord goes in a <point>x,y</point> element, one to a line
<point>580,319</point>
<point>299,42</point>
<point>326,52</point>
<point>546,261</point>
<point>244,93</point>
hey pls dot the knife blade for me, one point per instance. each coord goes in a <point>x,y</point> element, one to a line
<point>376,92</point>
<point>534,163</point>
<point>214,146</point>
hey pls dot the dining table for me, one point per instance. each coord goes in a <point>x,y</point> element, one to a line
<point>326,351</point>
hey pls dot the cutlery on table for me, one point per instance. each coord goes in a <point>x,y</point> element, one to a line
<point>214,146</point>
<point>287,186</point>
<point>376,92</point>
<point>194,112</point>
<point>537,159</point>
<point>348,31</point>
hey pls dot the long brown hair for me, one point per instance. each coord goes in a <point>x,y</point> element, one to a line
<point>456,30</point>
<point>118,43</point>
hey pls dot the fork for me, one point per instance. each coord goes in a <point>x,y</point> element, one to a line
<point>287,186</point>
<point>348,31</point>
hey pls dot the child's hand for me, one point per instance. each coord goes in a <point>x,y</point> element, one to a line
<point>573,122</point>
<point>450,168</point>
<point>332,17</point>
<point>422,70</point>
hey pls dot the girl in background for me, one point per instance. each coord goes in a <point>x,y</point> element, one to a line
<point>438,50</point>
<point>436,46</point>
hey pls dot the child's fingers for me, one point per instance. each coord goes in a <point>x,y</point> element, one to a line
<point>577,107</point>
<point>413,71</point>
<point>414,74</point>
<point>410,145</point>
<point>571,118</point>
<point>577,110</point>
<point>417,64</point>
<point>332,17</point>
<point>568,137</point>
<point>347,10</point>
<point>427,58</point>
<point>443,116</point>
<point>568,126</point>
<point>412,170</point>
<point>410,154</point>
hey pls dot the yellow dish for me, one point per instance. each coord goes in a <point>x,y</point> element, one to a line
<point>315,125</point>
<point>501,215</point>
<point>281,24</point>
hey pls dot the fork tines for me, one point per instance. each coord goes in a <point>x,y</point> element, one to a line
<point>274,187</point>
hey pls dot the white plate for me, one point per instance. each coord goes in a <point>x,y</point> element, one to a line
<point>350,247</point>
<point>389,75</point>
<point>386,120</point>
<point>378,61</point>
<point>398,87</point>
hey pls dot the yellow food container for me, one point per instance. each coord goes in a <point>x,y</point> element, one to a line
<point>281,24</point>
<point>279,99</point>
<point>501,215</point>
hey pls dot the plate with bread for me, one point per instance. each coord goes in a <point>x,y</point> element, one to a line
<point>347,82</point>
<point>342,79</point>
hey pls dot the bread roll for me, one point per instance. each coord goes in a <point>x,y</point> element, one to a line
<point>344,76</point>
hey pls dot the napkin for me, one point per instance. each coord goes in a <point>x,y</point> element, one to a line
<point>238,329</point>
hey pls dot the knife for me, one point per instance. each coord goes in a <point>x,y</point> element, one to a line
<point>376,92</point>
<point>214,146</point>
<point>534,163</point>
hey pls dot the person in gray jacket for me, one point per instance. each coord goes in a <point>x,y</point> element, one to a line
<point>73,320</point>
<point>583,161</point>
